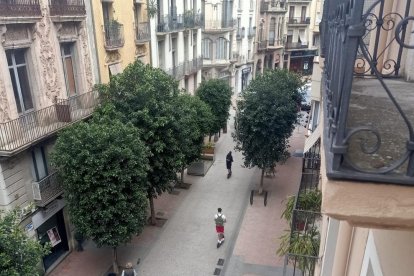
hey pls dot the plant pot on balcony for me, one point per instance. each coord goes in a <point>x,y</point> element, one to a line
<point>63,112</point>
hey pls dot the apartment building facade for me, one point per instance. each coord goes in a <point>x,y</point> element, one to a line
<point>242,56</point>
<point>298,55</point>
<point>121,35</point>
<point>176,40</point>
<point>270,22</point>
<point>219,34</point>
<point>365,128</point>
<point>46,82</point>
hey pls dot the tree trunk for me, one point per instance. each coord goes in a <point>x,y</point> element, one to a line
<point>115,260</point>
<point>209,137</point>
<point>151,201</point>
<point>261,182</point>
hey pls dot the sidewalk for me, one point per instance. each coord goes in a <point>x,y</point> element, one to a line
<point>186,244</point>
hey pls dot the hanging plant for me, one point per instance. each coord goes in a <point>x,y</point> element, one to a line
<point>152,8</point>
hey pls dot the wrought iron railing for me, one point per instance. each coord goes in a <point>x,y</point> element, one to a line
<point>219,24</point>
<point>177,71</point>
<point>142,33</point>
<point>20,8</point>
<point>368,125</point>
<point>272,6</point>
<point>170,23</point>
<point>67,7</point>
<point>47,189</point>
<point>305,222</point>
<point>192,66</point>
<point>114,35</point>
<point>193,20</point>
<point>298,20</point>
<point>296,45</point>
<point>270,43</point>
<point>33,126</point>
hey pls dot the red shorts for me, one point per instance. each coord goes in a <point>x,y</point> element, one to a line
<point>220,228</point>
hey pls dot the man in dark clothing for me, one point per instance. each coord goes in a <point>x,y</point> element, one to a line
<point>229,160</point>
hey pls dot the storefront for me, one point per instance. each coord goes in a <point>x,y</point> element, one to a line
<point>302,61</point>
<point>50,227</point>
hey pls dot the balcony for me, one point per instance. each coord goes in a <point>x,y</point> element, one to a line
<point>219,26</point>
<point>251,33</point>
<point>240,34</point>
<point>298,21</point>
<point>47,189</point>
<point>368,117</point>
<point>296,45</point>
<point>192,66</point>
<point>177,71</point>
<point>114,35</point>
<point>193,20</point>
<point>142,33</point>
<point>273,6</point>
<point>19,134</point>
<point>67,8</point>
<point>170,23</point>
<point>26,10</point>
<point>270,44</point>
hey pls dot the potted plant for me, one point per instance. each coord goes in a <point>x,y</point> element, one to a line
<point>80,238</point>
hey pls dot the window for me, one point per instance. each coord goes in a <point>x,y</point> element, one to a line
<point>221,51</point>
<point>194,45</point>
<point>207,48</point>
<point>291,12</point>
<point>39,163</point>
<point>67,52</point>
<point>161,53</point>
<point>20,79</point>
<point>315,41</point>
<point>272,28</point>
<point>303,14</point>
<point>106,8</point>
<point>240,5</point>
<point>251,5</point>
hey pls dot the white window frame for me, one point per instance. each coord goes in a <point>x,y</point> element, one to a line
<point>221,48</point>
<point>371,257</point>
<point>207,48</point>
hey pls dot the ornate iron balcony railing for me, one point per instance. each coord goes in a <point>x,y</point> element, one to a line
<point>272,6</point>
<point>219,24</point>
<point>20,8</point>
<point>368,109</point>
<point>193,20</point>
<point>114,35</point>
<point>20,133</point>
<point>298,20</point>
<point>47,189</point>
<point>171,23</point>
<point>296,45</point>
<point>192,66</point>
<point>67,7</point>
<point>142,33</point>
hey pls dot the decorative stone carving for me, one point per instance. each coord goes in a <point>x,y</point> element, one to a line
<point>86,56</point>
<point>112,57</point>
<point>3,30</point>
<point>50,76</point>
<point>67,31</point>
<point>4,104</point>
<point>15,36</point>
<point>140,50</point>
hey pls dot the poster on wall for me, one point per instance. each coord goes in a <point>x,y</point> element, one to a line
<point>54,236</point>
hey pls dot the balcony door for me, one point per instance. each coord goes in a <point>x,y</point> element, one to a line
<point>291,13</point>
<point>39,163</point>
<point>17,65</point>
<point>69,71</point>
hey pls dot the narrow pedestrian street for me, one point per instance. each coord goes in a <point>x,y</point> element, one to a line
<point>186,243</point>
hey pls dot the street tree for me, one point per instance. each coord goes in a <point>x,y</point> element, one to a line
<point>194,119</point>
<point>217,94</point>
<point>19,254</point>
<point>103,165</point>
<point>145,96</point>
<point>266,116</point>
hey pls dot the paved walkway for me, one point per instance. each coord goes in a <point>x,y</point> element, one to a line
<point>186,244</point>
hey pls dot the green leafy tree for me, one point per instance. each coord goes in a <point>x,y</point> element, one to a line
<point>20,255</point>
<point>103,167</point>
<point>217,94</point>
<point>145,96</point>
<point>266,116</point>
<point>194,119</point>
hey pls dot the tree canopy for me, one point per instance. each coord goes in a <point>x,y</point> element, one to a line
<point>266,115</point>
<point>103,168</point>
<point>19,254</point>
<point>145,96</point>
<point>217,94</point>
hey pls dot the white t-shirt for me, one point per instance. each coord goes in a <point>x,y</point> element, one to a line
<point>222,216</point>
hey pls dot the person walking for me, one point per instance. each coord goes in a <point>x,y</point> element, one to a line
<point>229,160</point>
<point>220,219</point>
<point>129,270</point>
